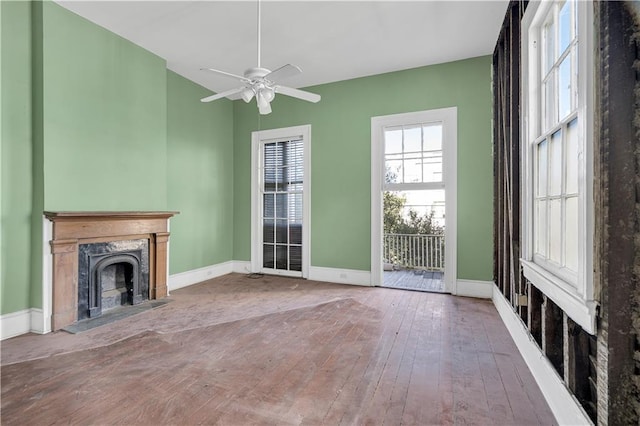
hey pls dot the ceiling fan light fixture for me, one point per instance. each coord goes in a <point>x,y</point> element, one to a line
<point>264,107</point>
<point>268,93</point>
<point>247,94</point>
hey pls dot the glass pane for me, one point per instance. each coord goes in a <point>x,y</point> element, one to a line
<point>393,140</point>
<point>540,226</point>
<point>542,169</point>
<point>393,171</point>
<point>269,180</point>
<point>564,26</point>
<point>281,231</point>
<point>555,164</point>
<point>564,88</point>
<point>269,205</point>
<point>413,139</point>
<point>281,257</point>
<point>571,233</point>
<point>281,205</point>
<point>555,230</point>
<point>572,152</point>
<point>267,256</point>
<point>281,176</point>
<point>415,212</point>
<point>295,233</point>
<point>432,168</point>
<point>295,258</point>
<point>432,135</point>
<point>268,230</point>
<point>547,106</point>
<point>295,207</point>
<point>413,169</point>
<point>548,35</point>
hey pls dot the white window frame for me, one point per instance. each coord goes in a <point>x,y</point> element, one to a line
<point>258,139</point>
<point>577,299</point>
<point>449,119</point>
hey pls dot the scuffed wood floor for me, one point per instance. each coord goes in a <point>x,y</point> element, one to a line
<point>240,351</point>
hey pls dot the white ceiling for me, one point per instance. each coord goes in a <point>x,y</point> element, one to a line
<point>329,40</point>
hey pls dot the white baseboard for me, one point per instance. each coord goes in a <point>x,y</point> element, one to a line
<point>564,406</point>
<point>340,276</point>
<point>39,324</point>
<point>242,266</point>
<point>184,279</point>
<point>473,288</point>
<point>15,324</point>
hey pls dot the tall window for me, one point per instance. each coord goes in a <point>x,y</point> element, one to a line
<point>557,156</point>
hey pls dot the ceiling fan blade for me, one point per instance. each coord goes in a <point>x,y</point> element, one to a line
<point>222,94</point>
<point>283,72</point>
<point>296,93</point>
<point>228,74</point>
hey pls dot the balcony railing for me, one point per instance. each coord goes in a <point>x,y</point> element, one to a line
<point>417,251</point>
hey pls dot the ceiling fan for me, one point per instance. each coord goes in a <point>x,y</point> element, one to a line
<point>262,83</point>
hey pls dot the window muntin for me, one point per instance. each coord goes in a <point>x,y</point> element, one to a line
<point>413,153</point>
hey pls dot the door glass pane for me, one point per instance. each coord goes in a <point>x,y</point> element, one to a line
<point>555,164</point>
<point>268,256</point>
<point>432,134</point>
<point>281,231</point>
<point>393,140</point>
<point>281,205</point>
<point>413,139</point>
<point>269,208</point>
<point>268,228</point>
<point>281,257</point>
<point>295,258</point>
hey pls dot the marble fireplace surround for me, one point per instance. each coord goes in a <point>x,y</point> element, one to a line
<point>70,229</point>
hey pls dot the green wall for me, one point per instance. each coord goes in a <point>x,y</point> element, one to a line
<point>200,176</point>
<point>341,157</point>
<point>104,118</point>
<point>16,152</point>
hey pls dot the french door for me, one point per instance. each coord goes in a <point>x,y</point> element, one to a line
<point>280,201</point>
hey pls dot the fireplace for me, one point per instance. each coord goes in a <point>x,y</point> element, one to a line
<point>112,274</point>
<point>102,260</point>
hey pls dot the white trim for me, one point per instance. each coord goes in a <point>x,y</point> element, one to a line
<point>38,323</point>
<point>449,118</point>
<point>340,276</point>
<point>47,277</point>
<point>564,406</point>
<point>241,266</point>
<point>256,202</point>
<point>15,323</point>
<point>583,312</point>
<point>195,276</point>
<point>475,288</point>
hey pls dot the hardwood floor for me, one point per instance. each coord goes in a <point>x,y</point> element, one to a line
<point>240,351</point>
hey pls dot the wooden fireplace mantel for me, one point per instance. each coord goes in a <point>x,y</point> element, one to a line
<point>70,229</point>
